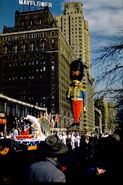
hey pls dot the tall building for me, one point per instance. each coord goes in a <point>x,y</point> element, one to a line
<point>112,116</point>
<point>107,114</point>
<point>35,62</point>
<point>75,29</point>
<point>98,120</point>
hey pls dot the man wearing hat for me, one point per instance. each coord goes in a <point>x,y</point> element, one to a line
<point>47,169</point>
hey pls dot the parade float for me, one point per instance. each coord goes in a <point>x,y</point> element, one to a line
<point>19,150</point>
<point>31,131</point>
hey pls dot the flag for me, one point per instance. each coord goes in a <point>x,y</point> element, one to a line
<point>52,122</point>
<point>38,115</point>
<point>49,117</point>
<point>56,120</point>
<point>46,115</point>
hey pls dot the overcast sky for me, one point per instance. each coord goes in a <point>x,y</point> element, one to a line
<point>105,18</point>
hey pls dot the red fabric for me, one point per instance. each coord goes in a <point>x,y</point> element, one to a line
<point>57,118</point>
<point>38,115</point>
<point>63,168</point>
<point>26,132</point>
<point>23,137</point>
<point>76,106</point>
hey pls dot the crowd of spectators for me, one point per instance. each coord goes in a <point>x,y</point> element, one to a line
<point>89,155</point>
<point>96,155</point>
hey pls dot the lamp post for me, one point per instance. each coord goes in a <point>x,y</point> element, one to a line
<point>5,127</point>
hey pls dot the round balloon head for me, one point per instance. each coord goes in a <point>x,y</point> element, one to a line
<point>75,83</point>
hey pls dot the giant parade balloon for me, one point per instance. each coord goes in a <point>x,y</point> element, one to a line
<point>76,92</point>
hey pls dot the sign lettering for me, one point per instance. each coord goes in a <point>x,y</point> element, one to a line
<point>35,3</point>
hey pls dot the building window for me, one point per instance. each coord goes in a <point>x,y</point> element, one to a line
<point>37,62</point>
<point>15,48</point>
<point>43,45</point>
<point>31,22</point>
<point>52,110</point>
<point>52,43</point>
<point>23,48</point>
<point>52,68</point>
<point>5,50</point>
<point>40,21</point>
<point>53,105</point>
<point>22,23</point>
<point>32,47</point>
<point>37,70</point>
<point>52,62</point>
<point>44,62</point>
<point>42,34</point>
<point>52,33</point>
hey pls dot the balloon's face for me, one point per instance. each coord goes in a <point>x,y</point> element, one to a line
<point>75,83</point>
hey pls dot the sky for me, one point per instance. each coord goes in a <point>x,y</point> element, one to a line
<point>105,17</point>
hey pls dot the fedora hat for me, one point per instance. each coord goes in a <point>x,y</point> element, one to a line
<point>52,146</point>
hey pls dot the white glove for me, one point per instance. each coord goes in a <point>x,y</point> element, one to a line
<point>85,109</point>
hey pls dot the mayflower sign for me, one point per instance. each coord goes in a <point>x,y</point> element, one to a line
<point>35,3</point>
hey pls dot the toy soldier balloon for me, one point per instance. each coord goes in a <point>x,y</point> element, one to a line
<point>76,93</point>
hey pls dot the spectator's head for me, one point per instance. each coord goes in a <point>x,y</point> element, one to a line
<point>52,146</point>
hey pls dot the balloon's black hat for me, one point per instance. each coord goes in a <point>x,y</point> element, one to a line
<point>76,70</point>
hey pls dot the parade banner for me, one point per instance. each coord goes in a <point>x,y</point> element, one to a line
<point>3,121</point>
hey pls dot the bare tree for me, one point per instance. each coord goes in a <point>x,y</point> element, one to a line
<point>109,68</point>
